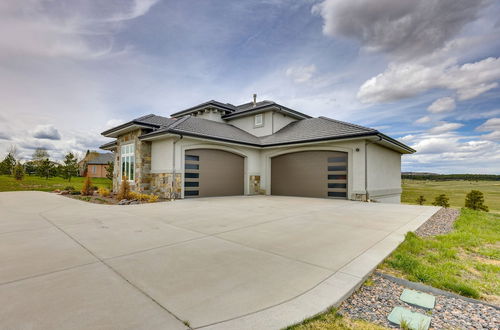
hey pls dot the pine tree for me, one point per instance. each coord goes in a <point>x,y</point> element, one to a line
<point>442,200</point>
<point>7,165</point>
<point>70,167</point>
<point>475,201</point>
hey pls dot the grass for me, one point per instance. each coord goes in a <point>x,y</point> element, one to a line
<point>465,261</point>
<point>455,190</point>
<point>333,320</point>
<point>8,183</point>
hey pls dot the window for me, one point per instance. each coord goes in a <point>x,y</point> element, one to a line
<point>191,193</point>
<point>259,120</point>
<point>191,184</point>
<point>94,169</point>
<point>192,175</point>
<point>337,177</point>
<point>127,160</point>
<point>191,166</point>
<point>193,158</point>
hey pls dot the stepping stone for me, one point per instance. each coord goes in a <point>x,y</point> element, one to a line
<point>415,321</point>
<point>417,298</point>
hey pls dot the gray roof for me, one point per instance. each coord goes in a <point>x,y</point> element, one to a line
<point>150,120</point>
<point>315,129</point>
<point>101,159</point>
<point>306,129</point>
<point>312,129</point>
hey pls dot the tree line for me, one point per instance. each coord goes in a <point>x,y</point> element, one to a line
<point>451,177</point>
<point>42,165</point>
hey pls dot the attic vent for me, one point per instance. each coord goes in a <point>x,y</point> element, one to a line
<point>254,100</point>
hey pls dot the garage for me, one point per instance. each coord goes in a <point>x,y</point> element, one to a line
<point>310,174</point>
<point>211,172</point>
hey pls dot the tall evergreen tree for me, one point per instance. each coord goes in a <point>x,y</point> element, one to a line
<point>70,167</point>
<point>7,164</point>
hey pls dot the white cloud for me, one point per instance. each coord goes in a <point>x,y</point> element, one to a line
<point>423,120</point>
<point>403,28</point>
<point>301,74</point>
<point>491,125</point>
<point>113,123</point>
<point>444,104</point>
<point>445,127</point>
<point>47,132</point>
<point>479,114</point>
<point>404,80</point>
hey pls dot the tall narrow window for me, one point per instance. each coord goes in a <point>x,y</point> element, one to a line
<point>259,120</point>
<point>128,161</point>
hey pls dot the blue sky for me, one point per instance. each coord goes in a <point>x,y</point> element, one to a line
<point>424,71</point>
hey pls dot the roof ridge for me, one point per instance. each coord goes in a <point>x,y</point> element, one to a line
<point>145,116</point>
<point>177,122</point>
<point>346,123</point>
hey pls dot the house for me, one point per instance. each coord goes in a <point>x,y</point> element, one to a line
<point>94,164</point>
<point>220,149</point>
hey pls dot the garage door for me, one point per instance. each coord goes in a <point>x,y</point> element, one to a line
<point>310,174</point>
<point>209,172</point>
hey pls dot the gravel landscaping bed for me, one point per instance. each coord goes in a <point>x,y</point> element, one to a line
<point>374,301</point>
<point>440,223</point>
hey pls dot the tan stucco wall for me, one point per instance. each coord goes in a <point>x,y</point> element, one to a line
<point>100,170</point>
<point>273,122</point>
<point>384,174</point>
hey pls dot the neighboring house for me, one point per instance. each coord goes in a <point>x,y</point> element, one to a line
<point>95,164</point>
<point>219,149</point>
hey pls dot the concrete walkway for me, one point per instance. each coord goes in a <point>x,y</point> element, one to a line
<point>217,263</point>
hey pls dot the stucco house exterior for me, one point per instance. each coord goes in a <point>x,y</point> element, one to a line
<point>220,149</point>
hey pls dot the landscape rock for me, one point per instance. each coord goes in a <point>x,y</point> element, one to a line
<point>440,223</point>
<point>374,302</point>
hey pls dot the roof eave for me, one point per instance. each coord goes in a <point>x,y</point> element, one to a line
<point>403,148</point>
<point>127,127</point>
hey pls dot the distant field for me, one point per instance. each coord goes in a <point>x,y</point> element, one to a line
<point>8,183</point>
<point>455,190</point>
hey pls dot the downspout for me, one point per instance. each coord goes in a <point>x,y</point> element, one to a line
<point>366,166</point>
<point>173,194</point>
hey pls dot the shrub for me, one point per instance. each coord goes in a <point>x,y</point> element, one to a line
<point>87,189</point>
<point>442,200</point>
<point>69,188</point>
<point>420,200</point>
<point>75,192</point>
<point>475,201</point>
<point>124,192</point>
<point>18,171</point>
<point>153,198</point>
<point>103,192</point>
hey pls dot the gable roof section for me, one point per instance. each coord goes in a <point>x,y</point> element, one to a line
<point>148,121</point>
<point>212,104</point>
<point>249,108</point>
<point>199,127</point>
<point>316,129</point>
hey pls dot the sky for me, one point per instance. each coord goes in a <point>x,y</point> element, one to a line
<point>426,72</point>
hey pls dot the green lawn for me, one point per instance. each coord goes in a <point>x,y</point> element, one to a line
<point>465,261</point>
<point>455,190</point>
<point>8,183</point>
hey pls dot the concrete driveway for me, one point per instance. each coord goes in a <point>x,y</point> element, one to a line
<point>252,262</point>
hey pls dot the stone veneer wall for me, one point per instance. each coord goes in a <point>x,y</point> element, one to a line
<point>142,180</point>
<point>161,185</point>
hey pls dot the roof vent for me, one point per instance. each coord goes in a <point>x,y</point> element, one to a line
<point>254,100</point>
